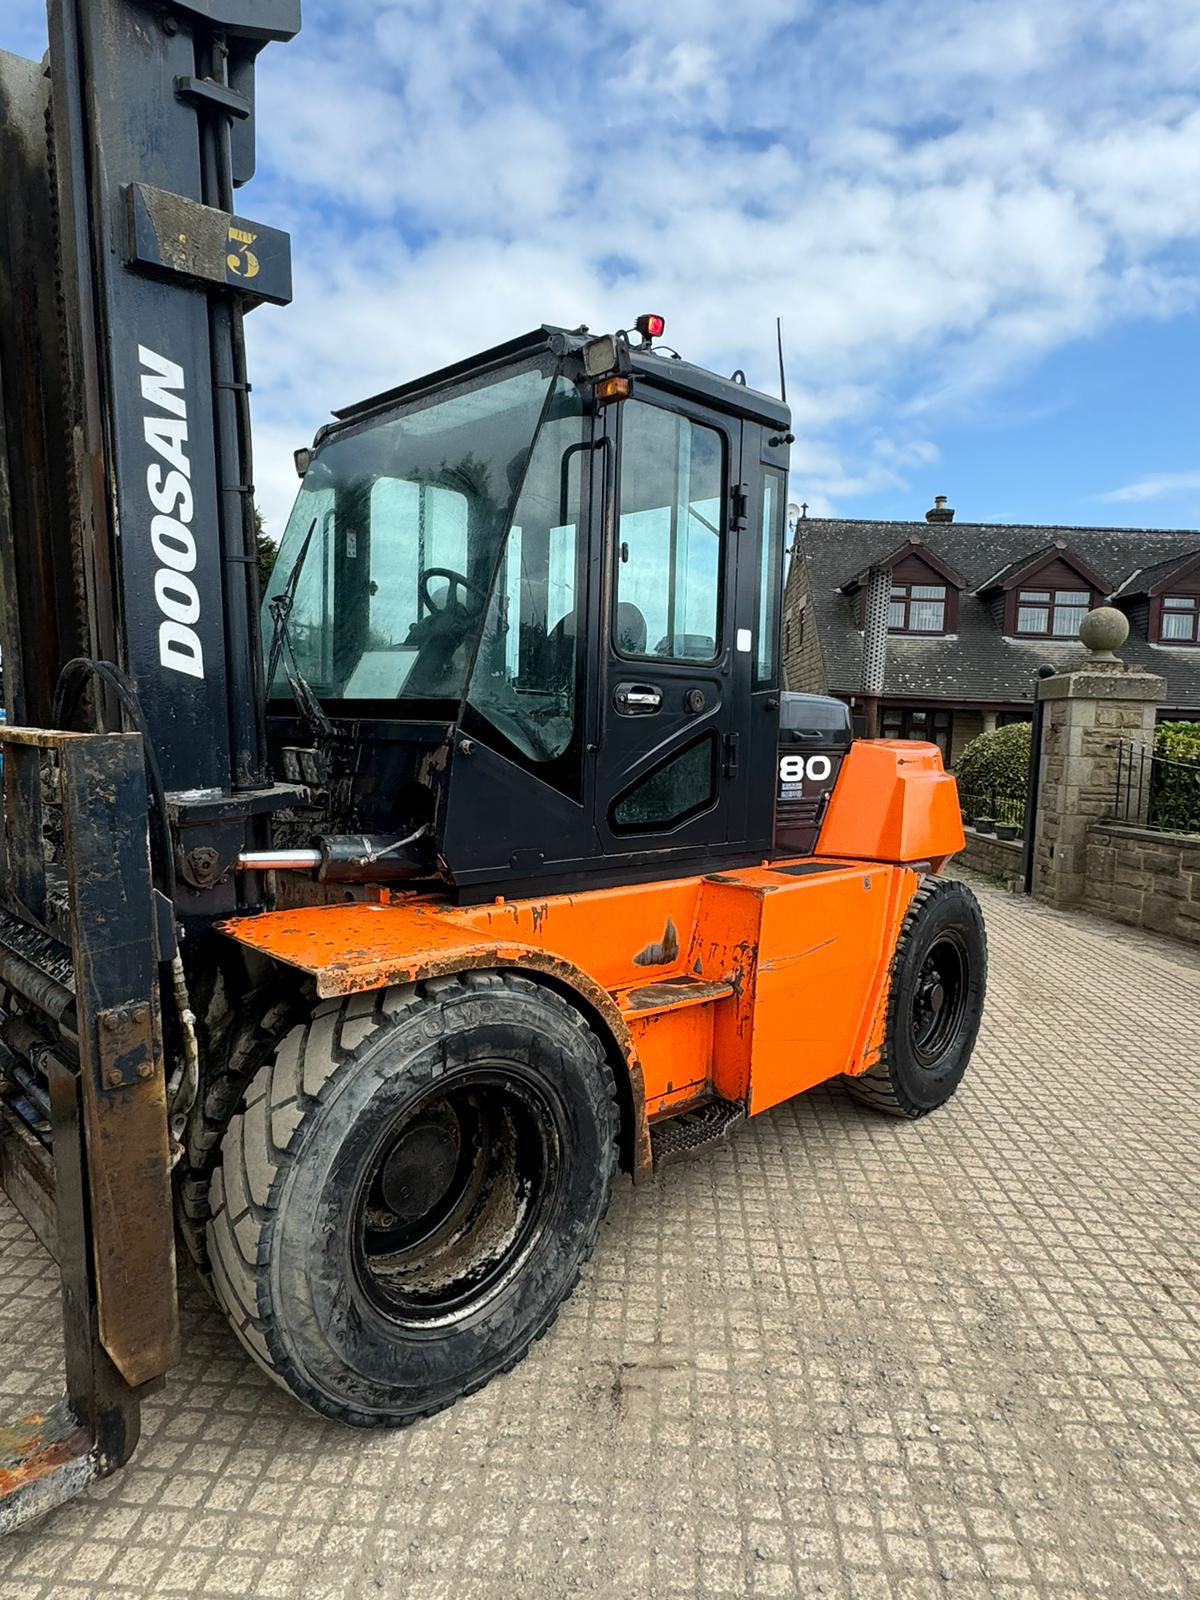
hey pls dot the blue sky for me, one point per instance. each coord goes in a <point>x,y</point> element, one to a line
<point>979,220</point>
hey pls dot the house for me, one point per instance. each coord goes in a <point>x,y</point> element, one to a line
<point>976,608</point>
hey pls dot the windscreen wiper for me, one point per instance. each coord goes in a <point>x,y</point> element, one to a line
<point>280,607</point>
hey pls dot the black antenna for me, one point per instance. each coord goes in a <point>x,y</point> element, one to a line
<point>779,342</point>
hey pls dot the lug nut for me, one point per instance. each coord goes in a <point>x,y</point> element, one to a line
<point>113,1078</point>
<point>145,1070</point>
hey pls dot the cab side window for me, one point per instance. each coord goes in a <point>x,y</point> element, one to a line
<point>670,538</point>
<point>770,576</point>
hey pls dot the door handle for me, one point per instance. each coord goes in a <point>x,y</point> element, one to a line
<point>637,699</point>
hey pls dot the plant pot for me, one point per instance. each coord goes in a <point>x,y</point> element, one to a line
<point>1006,830</point>
<point>984,824</point>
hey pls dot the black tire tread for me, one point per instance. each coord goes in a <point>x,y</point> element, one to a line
<point>262,1140</point>
<point>880,1087</point>
<point>220,1099</point>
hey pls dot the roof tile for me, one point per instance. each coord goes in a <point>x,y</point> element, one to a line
<point>979,663</point>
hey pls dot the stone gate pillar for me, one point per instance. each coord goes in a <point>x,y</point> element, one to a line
<point>1089,713</point>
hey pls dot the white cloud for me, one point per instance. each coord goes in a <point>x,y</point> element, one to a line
<point>1155,486</point>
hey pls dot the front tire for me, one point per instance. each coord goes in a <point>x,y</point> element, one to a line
<point>935,1002</point>
<point>410,1191</point>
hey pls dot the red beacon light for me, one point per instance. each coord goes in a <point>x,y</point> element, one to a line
<point>651,327</point>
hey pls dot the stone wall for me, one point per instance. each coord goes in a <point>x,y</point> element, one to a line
<point>1090,714</point>
<point>1146,878</point>
<point>992,857</point>
<point>1124,870</point>
<point>803,664</point>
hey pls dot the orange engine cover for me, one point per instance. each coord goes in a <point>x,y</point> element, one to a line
<point>893,801</point>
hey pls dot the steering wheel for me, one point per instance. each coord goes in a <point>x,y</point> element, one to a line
<point>456,580</point>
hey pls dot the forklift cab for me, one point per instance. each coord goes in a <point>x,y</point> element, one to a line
<point>540,612</point>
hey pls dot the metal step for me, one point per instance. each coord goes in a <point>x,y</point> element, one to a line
<point>672,994</point>
<point>693,1131</point>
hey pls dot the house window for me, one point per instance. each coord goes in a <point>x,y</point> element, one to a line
<point>1180,619</point>
<point>927,723</point>
<point>1052,613</point>
<point>917,608</point>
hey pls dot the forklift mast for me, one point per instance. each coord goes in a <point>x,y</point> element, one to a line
<point>127,517</point>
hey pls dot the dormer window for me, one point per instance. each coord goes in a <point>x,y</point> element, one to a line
<point>1180,620</point>
<point>1045,595</point>
<point>1052,613</point>
<point>924,591</point>
<point>1163,600</point>
<point>917,608</point>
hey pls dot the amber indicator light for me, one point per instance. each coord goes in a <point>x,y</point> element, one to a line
<point>614,387</point>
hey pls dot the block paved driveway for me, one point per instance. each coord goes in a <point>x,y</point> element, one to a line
<point>842,1356</point>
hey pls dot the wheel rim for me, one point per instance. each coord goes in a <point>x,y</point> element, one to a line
<point>455,1197</point>
<point>939,1000</point>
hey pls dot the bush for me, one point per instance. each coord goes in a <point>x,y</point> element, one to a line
<point>1175,790</point>
<point>1178,741</point>
<point>996,763</point>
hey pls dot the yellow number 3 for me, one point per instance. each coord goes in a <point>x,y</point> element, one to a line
<point>242,262</point>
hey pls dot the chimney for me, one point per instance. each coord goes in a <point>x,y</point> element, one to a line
<point>940,511</point>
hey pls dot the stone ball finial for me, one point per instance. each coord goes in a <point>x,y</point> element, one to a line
<point>1103,631</point>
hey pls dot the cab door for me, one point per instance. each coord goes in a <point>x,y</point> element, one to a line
<point>668,755</point>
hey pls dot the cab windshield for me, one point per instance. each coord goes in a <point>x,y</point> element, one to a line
<point>398,532</point>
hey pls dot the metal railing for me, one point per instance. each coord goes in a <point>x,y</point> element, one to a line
<point>994,810</point>
<point>1156,791</point>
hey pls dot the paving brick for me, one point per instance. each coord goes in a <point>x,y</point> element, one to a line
<point>839,1356</point>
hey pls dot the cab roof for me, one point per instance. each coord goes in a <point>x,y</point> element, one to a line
<point>666,372</point>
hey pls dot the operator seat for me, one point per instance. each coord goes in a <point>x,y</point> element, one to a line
<point>631,629</point>
<point>560,641</point>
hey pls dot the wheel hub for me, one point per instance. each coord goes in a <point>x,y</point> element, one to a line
<point>939,1001</point>
<point>456,1196</point>
<point>418,1172</point>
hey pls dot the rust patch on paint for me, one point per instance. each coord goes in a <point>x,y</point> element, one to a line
<point>663,951</point>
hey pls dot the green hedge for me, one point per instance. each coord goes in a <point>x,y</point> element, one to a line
<point>996,763</point>
<point>1175,790</point>
<point>1179,741</point>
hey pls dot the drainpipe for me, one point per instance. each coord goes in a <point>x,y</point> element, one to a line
<point>875,637</point>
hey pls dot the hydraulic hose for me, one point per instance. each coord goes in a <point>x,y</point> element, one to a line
<point>66,697</point>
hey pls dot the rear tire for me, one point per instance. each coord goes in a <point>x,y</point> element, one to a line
<point>410,1190</point>
<point>935,1003</point>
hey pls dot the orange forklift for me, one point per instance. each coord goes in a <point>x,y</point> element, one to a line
<point>355,941</point>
